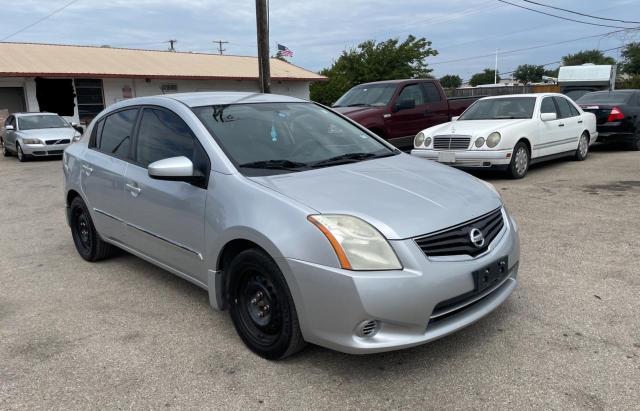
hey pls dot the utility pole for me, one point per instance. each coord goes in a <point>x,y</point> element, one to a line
<point>171,43</point>
<point>262,24</point>
<point>495,71</point>
<point>220,43</point>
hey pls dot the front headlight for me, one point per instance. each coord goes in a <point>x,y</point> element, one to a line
<point>31,141</point>
<point>427,141</point>
<point>419,139</point>
<point>358,245</point>
<point>479,142</point>
<point>493,139</point>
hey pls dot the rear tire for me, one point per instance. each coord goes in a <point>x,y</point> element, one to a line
<point>5,151</point>
<point>520,160</point>
<point>262,309</point>
<point>635,143</point>
<point>85,237</point>
<point>582,152</point>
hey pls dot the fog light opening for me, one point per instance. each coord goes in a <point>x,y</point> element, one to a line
<point>368,328</point>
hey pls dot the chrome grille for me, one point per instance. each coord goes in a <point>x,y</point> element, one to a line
<point>452,142</point>
<point>456,240</point>
<point>62,141</point>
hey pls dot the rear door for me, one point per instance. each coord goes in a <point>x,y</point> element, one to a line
<point>103,170</point>
<point>571,125</point>
<point>165,219</point>
<point>437,107</point>
<point>10,135</point>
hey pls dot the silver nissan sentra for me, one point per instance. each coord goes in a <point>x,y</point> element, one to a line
<point>304,225</point>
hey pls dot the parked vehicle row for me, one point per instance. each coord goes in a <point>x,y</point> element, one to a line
<point>398,109</point>
<point>306,226</point>
<point>510,133</point>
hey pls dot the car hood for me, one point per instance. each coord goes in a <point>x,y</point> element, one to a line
<point>357,111</point>
<point>402,196</point>
<point>475,127</point>
<point>49,133</point>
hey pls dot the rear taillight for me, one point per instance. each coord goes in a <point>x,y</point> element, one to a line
<point>615,115</point>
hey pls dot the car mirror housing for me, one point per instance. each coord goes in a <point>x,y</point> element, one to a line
<point>8,128</point>
<point>455,118</point>
<point>548,116</point>
<point>172,169</point>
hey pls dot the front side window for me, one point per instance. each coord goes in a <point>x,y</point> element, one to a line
<point>162,134</point>
<point>287,136</point>
<point>548,106</point>
<point>117,130</point>
<point>503,108</point>
<point>41,121</point>
<point>412,92</point>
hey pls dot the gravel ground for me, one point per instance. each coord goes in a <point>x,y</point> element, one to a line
<point>125,334</point>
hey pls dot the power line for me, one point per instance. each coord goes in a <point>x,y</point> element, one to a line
<point>171,44</point>
<point>39,20</point>
<point>582,14</point>
<point>220,43</point>
<point>526,48</point>
<point>560,17</point>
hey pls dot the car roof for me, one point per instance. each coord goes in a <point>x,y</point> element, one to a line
<point>33,113</point>
<point>210,98</point>
<point>525,95</point>
<point>397,81</point>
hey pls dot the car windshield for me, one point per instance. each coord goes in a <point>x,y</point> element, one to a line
<point>367,95</point>
<point>43,121</point>
<point>285,137</point>
<point>500,109</point>
<point>604,98</point>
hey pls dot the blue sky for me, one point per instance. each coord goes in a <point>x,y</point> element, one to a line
<point>317,31</point>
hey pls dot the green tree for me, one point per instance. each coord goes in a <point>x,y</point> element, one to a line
<point>630,63</point>
<point>486,77</point>
<point>552,73</point>
<point>528,73</point>
<point>373,61</point>
<point>587,56</point>
<point>451,81</point>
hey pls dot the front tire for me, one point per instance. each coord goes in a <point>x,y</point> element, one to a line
<point>5,151</point>
<point>85,236</point>
<point>582,152</point>
<point>22,157</point>
<point>262,308</point>
<point>520,160</point>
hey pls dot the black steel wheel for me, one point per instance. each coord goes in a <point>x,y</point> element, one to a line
<point>85,237</point>
<point>261,308</point>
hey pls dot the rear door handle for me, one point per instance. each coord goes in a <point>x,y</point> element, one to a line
<point>580,122</point>
<point>560,125</point>
<point>135,191</point>
<point>88,170</point>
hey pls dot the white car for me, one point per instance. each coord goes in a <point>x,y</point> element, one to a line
<point>510,132</point>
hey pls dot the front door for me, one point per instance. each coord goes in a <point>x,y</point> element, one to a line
<point>404,124</point>
<point>550,131</point>
<point>165,219</point>
<point>103,170</point>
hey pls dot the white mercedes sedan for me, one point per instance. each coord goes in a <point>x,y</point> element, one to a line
<point>510,132</point>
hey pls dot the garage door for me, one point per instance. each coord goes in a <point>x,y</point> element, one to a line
<point>12,99</point>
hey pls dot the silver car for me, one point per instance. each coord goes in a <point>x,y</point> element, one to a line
<point>28,135</point>
<point>303,224</point>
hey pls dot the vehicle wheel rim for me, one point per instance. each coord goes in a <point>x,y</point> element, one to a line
<point>584,146</point>
<point>82,229</point>
<point>4,148</point>
<point>522,161</point>
<point>259,310</point>
<point>19,153</point>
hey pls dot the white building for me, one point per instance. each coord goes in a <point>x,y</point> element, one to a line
<point>78,82</point>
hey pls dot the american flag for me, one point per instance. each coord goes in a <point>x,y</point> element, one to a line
<point>284,51</point>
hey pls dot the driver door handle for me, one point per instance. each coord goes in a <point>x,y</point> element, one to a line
<point>135,191</point>
<point>88,170</point>
<point>560,125</point>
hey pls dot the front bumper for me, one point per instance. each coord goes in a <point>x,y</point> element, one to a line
<point>469,158</point>
<point>42,150</point>
<point>332,302</point>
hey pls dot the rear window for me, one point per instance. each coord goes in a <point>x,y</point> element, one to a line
<point>605,98</point>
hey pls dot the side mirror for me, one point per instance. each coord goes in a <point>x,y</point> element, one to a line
<point>78,128</point>
<point>455,118</point>
<point>404,105</point>
<point>173,169</point>
<point>8,127</point>
<point>548,116</point>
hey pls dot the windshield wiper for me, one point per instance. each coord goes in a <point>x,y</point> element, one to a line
<point>359,105</point>
<point>349,158</point>
<point>275,165</point>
